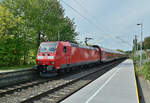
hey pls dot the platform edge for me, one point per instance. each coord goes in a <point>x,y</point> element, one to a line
<point>137,94</point>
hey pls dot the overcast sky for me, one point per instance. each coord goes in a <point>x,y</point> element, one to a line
<point>110,20</point>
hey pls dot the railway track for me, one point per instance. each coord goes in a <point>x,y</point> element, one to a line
<point>18,87</point>
<point>53,90</point>
<point>24,85</point>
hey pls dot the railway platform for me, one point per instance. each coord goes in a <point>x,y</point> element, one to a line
<point>116,86</point>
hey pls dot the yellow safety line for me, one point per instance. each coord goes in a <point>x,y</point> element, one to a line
<point>137,95</point>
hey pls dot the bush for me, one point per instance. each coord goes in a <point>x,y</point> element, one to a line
<point>144,70</point>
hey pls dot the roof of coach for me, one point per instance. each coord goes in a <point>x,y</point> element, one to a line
<point>82,46</point>
<point>108,50</point>
<point>111,51</point>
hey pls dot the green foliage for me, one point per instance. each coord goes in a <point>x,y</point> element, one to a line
<point>139,46</point>
<point>120,50</point>
<point>26,23</point>
<point>144,70</point>
<point>46,17</point>
<point>11,50</point>
<point>10,42</point>
<point>8,23</point>
<point>137,57</point>
<point>147,43</point>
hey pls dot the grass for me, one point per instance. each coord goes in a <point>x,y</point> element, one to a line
<point>17,67</point>
<point>144,70</point>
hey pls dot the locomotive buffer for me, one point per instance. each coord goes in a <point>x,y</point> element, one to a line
<point>116,86</point>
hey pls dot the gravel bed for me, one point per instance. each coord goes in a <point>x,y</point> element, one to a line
<point>62,93</point>
<point>18,87</point>
<point>30,92</point>
<point>36,90</point>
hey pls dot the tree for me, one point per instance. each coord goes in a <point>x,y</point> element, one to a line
<point>10,41</point>
<point>33,21</point>
<point>147,43</point>
<point>8,23</point>
<point>46,17</point>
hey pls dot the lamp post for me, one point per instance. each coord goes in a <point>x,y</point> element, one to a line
<point>141,24</point>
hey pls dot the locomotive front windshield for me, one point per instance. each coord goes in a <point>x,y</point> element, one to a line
<point>47,47</point>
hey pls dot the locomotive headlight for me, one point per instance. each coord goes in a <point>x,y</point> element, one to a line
<point>50,57</point>
<point>40,57</point>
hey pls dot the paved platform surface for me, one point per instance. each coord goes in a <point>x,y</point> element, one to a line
<point>116,86</point>
<point>144,90</point>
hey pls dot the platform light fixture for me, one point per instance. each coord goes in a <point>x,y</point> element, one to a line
<point>141,25</point>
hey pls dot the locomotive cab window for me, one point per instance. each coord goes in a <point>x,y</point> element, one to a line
<point>48,47</point>
<point>65,49</point>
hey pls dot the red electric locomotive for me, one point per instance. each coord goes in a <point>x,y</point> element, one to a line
<point>55,56</point>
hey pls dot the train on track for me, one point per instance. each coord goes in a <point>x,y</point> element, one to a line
<point>53,57</point>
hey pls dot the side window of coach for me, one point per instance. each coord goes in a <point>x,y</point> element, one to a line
<point>65,49</point>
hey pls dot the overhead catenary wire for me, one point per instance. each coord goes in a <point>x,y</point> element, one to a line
<point>108,30</point>
<point>89,21</point>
